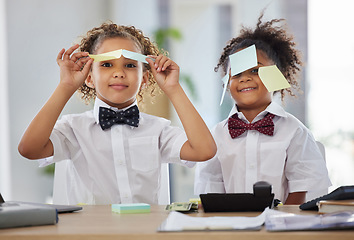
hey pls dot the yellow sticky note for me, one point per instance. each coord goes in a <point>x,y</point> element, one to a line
<point>106,56</point>
<point>272,78</point>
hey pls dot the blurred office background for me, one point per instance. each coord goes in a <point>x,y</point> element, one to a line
<point>33,31</point>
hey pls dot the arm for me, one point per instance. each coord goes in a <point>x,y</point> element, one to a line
<point>35,142</point>
<point>296,198</point>
<point>200,145</point>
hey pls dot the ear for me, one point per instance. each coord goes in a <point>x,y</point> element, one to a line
<point>89,81</point>
<point>145,79</point>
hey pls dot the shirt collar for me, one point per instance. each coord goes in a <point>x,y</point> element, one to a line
<point>99,103</point>
<point>273,108</point>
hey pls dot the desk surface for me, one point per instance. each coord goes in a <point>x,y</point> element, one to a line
<point>98,222</point>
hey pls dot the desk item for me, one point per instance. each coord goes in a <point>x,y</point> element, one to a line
<point>185,207</point>
<point>341,193</point>
<point>59,208</point>
<point>177,222</point>
<point>25,216</point>
<point>330,206</point>
<point>282,221</point>
<point>131,208</point>
<point>239,202</point>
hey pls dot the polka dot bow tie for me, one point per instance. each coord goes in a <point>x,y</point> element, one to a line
<point>237,126</point>
<point>108,117</point>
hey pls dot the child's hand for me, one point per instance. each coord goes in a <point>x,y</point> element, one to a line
<point>72,70</point>
<point>165,71</point>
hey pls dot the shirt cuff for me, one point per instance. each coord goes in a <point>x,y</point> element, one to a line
<point>307,185</point>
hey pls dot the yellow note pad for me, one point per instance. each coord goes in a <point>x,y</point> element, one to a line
<point>272,78</point>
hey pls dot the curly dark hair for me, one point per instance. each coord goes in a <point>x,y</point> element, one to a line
<point>95,37</point>
<point>275,42</point>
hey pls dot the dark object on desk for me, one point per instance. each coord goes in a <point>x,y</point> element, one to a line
<point>341,193</point>
<point>239,202</point>
<point>26,215</point>
<point>59,208</point>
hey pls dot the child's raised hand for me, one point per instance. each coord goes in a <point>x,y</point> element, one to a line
<point>74,67</point>
<point>165,71</point>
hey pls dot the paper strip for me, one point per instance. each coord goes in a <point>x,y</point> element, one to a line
<point>225,81</point>
<point>243,60</point>
<point>272,78</point>
<point>117,54</point>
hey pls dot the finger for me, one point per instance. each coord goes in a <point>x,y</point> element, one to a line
<point>60,55</point>
<point>168,63</point>
<point>152,66</point>
<point>70,51</point>
<point>82,61</point>
<point>158,62</point>
<point>79,55</point>
<point>87,67</point>
<point>161,63</point>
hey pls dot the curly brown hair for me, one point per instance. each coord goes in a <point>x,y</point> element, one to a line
<point>275,42</point>
<point>95,37</point>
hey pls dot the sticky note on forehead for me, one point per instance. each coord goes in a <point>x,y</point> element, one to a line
<point>272,78</point>
<point>117,54</point>
<point>243,60</point>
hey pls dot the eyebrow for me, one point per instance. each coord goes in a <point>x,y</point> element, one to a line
<point>260,63</point>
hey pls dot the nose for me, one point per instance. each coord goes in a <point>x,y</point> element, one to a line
<point>245,77</point>
<point>118,73</point>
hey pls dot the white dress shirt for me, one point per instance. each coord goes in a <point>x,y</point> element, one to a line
<point>118,165</point>
<point>290,160</point>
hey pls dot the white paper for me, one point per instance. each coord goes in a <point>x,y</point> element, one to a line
<point>177,221</point>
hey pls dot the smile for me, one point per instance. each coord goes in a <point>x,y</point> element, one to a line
<point>118,86</point>
<point>247,89</point>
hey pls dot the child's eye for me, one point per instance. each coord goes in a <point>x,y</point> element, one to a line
<point>237,75</point>
<point>254,70</point>
<point>106,64</point>
<point>130,65</point>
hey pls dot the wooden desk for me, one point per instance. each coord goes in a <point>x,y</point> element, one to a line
<point>98,222</point>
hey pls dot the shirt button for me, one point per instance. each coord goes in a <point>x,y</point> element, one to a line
<point>252,166</point>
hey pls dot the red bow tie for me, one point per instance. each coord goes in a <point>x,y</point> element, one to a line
<point>237,126</point>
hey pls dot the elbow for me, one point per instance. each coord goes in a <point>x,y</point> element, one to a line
<point>25,150</point>
<point>208,154</point>
<point>22,149</point>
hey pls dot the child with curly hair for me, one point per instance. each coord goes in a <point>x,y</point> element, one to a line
<point>115,152</point>
<point>282,151</point>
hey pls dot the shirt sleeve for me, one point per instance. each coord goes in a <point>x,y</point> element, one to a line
<point>63,140</point>
<point>209,177</point>
<point>306,167</point>
<point>171,142</point>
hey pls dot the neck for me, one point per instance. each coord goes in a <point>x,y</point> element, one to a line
<point>251,113</point>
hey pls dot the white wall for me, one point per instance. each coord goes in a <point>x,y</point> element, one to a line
<point>5,188</point>
<point>36,31</point>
